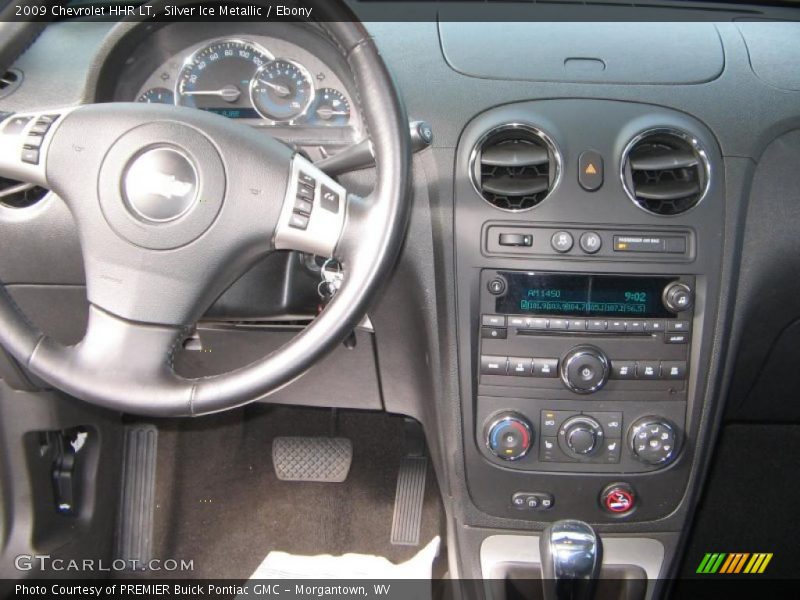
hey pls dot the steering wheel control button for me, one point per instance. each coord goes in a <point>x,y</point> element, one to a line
<point>515,239</point>
<point>299,221</point>
<point>562,241</point>
<point>493,365</point>
<point>509,436</point>
<point>591,242</point>
<point>678,297</point>
<point>30,155</point>
<point>590,170</point>
<point>653,440</point>
<point>532,501</point>
<point>584,369</point>
<point>580,437</point>
<point>545,367</point>
<point>329,199</point>
<point>160,185</point>
<point>496,286</point>
<point>618,499</point>
<point>303,206</point>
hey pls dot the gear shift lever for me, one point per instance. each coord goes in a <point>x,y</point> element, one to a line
<point>571,555</point>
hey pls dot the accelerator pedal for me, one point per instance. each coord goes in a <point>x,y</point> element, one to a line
<point>134,535</point>
<point>410,493</point>
<point>323,459</point>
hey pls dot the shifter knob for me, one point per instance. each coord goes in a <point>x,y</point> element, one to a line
<point>571,555</point>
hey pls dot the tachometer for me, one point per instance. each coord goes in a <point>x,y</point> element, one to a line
<point>282,90</point>
<point>330,108</point>
<point>157,95</point>
<point>217,78</point>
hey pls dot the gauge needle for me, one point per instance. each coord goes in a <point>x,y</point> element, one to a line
<point>327,113</point>
<point>281,90</point>
<point>229,93</point>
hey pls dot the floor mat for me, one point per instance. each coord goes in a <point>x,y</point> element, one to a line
<point>219,503</point>
<point>282,565</point>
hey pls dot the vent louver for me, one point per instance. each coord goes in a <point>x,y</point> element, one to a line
<point>515,167</point>
<point>14,194</point>
<point>665,172</point>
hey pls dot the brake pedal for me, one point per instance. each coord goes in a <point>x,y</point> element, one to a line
<point>322,459</point>
<point>134,535</point>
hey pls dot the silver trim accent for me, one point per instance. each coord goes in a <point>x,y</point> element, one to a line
<point>684,135</point>
<point>541,134</point>
<point>507,418</point>
<point>190,59</point>
<point>646,553</point>
<point>577,352</point>
<point>304,71</point>
<point>648,421</point>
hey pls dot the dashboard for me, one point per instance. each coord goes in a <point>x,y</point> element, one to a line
<point>293,86</point>
<point>583,223</point>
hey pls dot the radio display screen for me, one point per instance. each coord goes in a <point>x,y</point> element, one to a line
<point>579,295</point>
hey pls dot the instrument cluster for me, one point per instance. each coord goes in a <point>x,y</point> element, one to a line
<point>266,81</point>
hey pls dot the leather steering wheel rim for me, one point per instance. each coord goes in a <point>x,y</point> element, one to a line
<point>124,362</point>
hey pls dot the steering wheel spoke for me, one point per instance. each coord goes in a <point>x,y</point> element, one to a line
<point>24,143</point>
<point>314,211</point>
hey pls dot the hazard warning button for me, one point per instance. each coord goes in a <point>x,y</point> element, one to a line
<point>590,170</point>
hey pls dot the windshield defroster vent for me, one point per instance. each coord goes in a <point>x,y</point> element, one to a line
<point>665,172</point>
<point>515,167</point>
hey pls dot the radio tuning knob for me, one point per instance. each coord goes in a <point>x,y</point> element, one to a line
<point>584,369</point>
<point>678,297</point>
<point>509,436</point>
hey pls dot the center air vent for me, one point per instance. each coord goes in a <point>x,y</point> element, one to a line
<point>665,171</point>
<point>515,167</point>
<point>14,194</point>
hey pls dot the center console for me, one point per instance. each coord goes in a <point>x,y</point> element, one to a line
<point>588,255</point>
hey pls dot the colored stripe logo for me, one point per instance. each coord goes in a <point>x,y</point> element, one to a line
<point>734,563</point>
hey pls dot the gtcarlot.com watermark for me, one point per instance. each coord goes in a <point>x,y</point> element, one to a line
<point>44,562</point>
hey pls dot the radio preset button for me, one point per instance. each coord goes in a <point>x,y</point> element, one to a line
<point>522,367</point>
<point>559,324</point>
<point>517,322</point>
<point>653,326</point>
<point>493,365</point>
<point>545,367</point>
<point>597,325</point>
<point>577,324</point>
<point>616,326</point>
<point>537,323</point>
<point>562,241</point>
<point>634,326</point>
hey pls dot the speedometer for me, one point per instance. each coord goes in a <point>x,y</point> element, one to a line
<point>217,78</point>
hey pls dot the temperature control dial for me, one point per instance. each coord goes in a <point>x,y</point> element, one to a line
<point>580,437</point>
<point>678,297</point>
<point>509,436</point>
<point>584,369</point>
<point>653,440</point>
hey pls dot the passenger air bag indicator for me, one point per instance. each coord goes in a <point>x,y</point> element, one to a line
<point>650,243</point>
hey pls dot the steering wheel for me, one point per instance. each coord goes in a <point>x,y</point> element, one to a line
<point>171,206</point>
